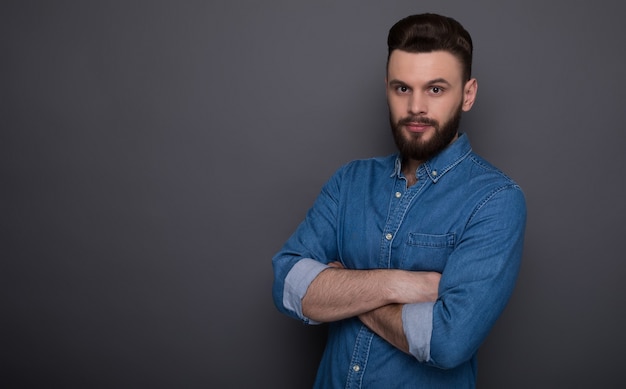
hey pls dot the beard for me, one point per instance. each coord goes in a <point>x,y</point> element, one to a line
<point>411,145</point>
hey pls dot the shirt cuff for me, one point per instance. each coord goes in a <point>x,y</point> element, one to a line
<point>417,322</point>
<point>297,282</point>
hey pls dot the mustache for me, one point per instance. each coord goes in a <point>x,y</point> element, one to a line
<point>417,120</point>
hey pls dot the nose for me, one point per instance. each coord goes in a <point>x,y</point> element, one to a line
<point>417,105</point>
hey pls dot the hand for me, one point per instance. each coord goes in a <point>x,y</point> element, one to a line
<point>417,286</point>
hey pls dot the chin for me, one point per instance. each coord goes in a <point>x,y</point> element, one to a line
<point>419,137</point>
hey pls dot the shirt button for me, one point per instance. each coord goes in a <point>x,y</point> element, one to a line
<point>356,368</point>
<point>398,195</point>
<point>388,236</point>
<point>434,172</point>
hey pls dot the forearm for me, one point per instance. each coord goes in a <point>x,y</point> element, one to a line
<point>338,293</point>
<point>386,321</point>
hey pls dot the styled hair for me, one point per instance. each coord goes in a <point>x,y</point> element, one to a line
<point>425,33</point>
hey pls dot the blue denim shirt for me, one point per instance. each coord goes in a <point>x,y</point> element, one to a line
<point>463,218</point>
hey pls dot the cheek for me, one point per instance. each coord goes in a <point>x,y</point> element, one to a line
<point>394,116</point>
<point>447,110</point>
<point>396,108</point>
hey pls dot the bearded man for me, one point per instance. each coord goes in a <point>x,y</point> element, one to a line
<point>409,258</point>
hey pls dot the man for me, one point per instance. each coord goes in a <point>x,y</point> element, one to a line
<point>410,258</point>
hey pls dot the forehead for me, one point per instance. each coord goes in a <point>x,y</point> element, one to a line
<point>422,67</point>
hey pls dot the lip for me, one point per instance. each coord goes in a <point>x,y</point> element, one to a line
<point>417,127</point>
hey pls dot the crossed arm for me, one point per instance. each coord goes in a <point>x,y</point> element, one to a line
<point>375,296</point>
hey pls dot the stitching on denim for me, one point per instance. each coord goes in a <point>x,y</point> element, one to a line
<point>489,197</point>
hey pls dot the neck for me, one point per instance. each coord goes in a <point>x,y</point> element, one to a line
<point>409,168</point>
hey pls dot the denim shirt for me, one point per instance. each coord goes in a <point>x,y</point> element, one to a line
<point>463,218</point>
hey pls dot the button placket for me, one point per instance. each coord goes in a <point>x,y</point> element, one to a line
<point>401,199</point>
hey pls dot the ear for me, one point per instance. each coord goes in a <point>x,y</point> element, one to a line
<point>469,94</point>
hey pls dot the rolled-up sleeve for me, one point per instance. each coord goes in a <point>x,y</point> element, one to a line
<point>417,322</point>
<point>296,284</point>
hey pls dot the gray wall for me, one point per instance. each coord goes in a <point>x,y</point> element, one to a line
<point>154,156</point>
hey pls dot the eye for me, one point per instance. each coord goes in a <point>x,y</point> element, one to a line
<point>402,89</point>
<point>436,90</point>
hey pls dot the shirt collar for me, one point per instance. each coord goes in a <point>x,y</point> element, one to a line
<point>443,162</point>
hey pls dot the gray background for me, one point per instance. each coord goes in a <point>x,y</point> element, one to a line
<point>155,155</point>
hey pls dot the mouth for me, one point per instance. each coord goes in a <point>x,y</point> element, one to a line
<point>417,127</point>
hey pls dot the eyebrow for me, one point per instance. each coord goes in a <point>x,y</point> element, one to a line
<point>439,81</point>
<point>434,81</point>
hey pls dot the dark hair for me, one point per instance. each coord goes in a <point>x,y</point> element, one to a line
<point>426,33</point>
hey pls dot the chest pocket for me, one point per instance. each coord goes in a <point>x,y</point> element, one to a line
<point>427,252</point>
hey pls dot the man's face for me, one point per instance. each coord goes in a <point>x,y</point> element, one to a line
<point>426,95</point>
